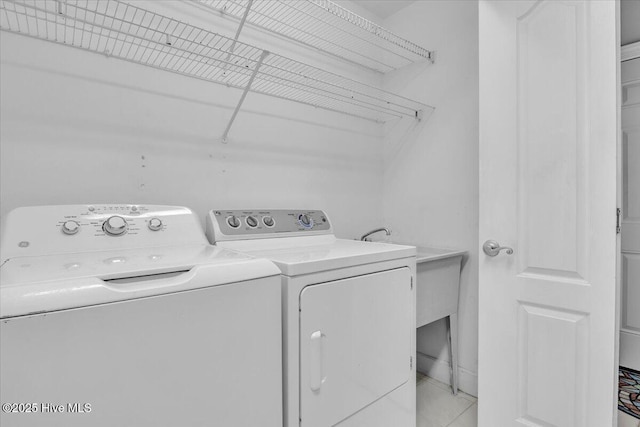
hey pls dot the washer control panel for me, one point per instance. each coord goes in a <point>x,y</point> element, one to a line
<point>247,224</point>
<point>44,230</point>
<point>111,220</point>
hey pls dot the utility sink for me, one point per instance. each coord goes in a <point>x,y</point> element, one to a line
<point>427,254</point>
<point>437,283</point>
<point>437,290</point>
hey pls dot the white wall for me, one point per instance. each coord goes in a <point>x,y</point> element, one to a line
<point>431,170</point>
<point>78,127</point>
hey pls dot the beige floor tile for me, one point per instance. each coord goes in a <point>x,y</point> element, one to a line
<point>448,388</point>
<point>438,383</point>
<point>625,420</point>
<point>470,398</point>
<point>469,418</point>
<point>436,406</point>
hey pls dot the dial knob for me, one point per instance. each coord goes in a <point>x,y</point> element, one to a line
<point>115,226</point>
<point>268,221</point>
<point>252,222</point>
<point>154,224</point>
<point>70,227</point>
<point>233,221</point>
<point>305,220</point>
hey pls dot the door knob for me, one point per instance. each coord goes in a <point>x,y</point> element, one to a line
<point>493,248</point>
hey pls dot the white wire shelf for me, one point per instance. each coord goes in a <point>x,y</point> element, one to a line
<point>121,30</point>
<point>326,26</point>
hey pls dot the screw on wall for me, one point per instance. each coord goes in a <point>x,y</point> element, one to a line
<point>142,165</point>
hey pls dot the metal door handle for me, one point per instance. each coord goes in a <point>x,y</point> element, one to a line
<point>493,248</point>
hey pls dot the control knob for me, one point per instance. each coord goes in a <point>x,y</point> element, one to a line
<point>252,222</point>
<point>233,221</point>
<point>305,220</point>
<point>154,224</point>
<point>115,226</point>
<point>268,221</point>
<point>70,227</point>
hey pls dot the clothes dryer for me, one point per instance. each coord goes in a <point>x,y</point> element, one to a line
<point>348,317</point>
<point>124,315</point>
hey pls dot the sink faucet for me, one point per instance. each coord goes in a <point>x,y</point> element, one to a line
<point>365,237</point>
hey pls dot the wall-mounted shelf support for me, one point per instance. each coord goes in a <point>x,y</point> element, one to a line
<point>225,135</point>
<point>239,30</point>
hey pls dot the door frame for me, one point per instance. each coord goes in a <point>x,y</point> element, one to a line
<point>626,53</point>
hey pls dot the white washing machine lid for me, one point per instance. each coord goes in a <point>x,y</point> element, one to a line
<point>311,254</point>
<point>30,285</point>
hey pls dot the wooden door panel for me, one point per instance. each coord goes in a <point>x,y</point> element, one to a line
<point>551,140</point>
<point>553,381</point>
<point>548,151</point>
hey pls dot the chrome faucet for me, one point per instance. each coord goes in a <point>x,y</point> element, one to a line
<point>365,237</point>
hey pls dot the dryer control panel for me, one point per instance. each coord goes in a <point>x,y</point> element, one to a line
<point>259,224</point>
<point>48,230</point>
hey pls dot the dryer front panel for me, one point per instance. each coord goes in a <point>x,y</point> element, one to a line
<point>355,344</point>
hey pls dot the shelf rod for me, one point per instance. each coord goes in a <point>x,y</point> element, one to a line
<point>235,39</point>
<point>225,135</point>
<point>239,30</point>
<point>241,25</point>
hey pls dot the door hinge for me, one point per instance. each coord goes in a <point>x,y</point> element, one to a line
<point>411,282</point>
<point>618,221</point>
<point>410,362</point>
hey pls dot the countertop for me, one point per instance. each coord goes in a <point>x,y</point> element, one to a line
<point>429,253</point>
<point>426,254</point>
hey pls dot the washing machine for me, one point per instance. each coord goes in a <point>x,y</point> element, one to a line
<point>348,317</point>
<point>124,315</point>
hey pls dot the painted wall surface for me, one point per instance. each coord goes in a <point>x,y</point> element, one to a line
<point>78,127</point>
<point>431,169</point>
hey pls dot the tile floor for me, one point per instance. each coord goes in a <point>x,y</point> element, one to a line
<point>625,420</point>
<point>437,407</point>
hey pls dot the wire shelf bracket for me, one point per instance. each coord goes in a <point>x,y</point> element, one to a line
<point>225,135</point>
<point>127,32</point>
<point>240,27</point>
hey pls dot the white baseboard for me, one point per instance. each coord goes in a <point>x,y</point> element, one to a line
<point>439,370</point>
<point>629,349</point>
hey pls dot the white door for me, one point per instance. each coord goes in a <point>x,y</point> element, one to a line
<point>548,141</point>
<point>355,344</point>
<point>630,320</point>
